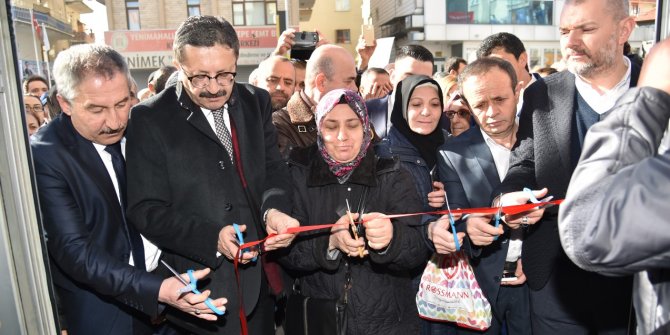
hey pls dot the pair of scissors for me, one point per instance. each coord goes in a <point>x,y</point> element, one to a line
<point>498,215</point>
<point>354,227</point>
<point>534,200</point>
<point>240,240</point>
<point>191,286</point>
<point>452,224</point>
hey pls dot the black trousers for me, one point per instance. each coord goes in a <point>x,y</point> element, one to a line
<point>576,302</point>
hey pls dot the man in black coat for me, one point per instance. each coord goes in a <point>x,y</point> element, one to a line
<point>97,260</point>
<point>556,114</point>
<point>202,155</point>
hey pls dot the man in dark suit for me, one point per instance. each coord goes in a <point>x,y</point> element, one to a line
<point>202,155</point>
<point>410,59</point>
<point>471,165</point>
<point>81,184</point>
<point>556,114</point>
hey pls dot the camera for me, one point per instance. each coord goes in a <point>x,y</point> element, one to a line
<point>305,40</point>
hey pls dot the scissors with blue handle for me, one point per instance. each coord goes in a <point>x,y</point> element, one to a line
<point>498,215</point>
<point>534,200</point>
<point>240,240</point>
<point>191,286</point>
<point>451,221</point>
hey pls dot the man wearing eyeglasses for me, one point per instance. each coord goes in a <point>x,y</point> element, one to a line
<point>471,166</point>
<point>202,155</point>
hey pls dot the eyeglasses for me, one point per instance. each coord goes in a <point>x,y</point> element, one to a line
<point>462,113</point>
<point>202,80</point>
<point>35,108</point>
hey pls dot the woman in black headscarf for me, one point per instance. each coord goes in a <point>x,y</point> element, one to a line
<point>414,137</point>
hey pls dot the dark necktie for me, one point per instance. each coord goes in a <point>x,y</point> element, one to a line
<point>119,165</point>
<point>222,132</point>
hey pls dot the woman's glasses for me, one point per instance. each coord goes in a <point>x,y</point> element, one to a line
<point>462,113</point>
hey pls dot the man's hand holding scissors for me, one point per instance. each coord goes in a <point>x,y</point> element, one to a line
<point>172,293</point>
<point>519,198</point>
<point>229,244</point>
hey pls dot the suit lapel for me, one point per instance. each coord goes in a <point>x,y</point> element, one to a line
<point>237,115</point>
<point>194,114</point>
<point>561,97</point>
<point>85,153</point>
<point>485,159</point>
<point>481,174</point>
<point>198,120</point>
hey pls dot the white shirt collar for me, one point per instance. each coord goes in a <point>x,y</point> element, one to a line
<point>605,102</point>
<point>210,117</point>
<point>101,148</point>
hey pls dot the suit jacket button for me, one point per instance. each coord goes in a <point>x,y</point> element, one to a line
<point>222,165</point>
<point>228,207</point>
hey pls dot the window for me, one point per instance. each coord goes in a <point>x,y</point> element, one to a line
<point>342,36</point>
<point>133,14</point>
<point>523,12</point>
<point>342,5</point>
<point>193,7</point>
<point>254,12</point>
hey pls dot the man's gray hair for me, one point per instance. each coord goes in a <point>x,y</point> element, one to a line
<point>204,31</point>
<point>618,8</point>
<point>73,65</point>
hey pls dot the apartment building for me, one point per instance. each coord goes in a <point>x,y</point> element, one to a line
<point>456,27</point>
<point>338,20</point>
<point>45,27</point>
<point>143,30</point>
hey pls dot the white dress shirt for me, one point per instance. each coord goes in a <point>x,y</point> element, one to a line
<point>151,252</point>
<point>602,103</point>
<point>501,157</point>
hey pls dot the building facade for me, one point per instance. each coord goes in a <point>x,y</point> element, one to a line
<point>456,27</point>
<point>143,30</point>
<point>338,20</point>
<point>43,28</point>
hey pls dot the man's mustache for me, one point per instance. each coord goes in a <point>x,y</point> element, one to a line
<point>110,131</point>
<point>280,94</point>
<point>218,94</point>
<point>579,51</point>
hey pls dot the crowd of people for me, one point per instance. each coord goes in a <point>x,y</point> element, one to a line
<point>133,208</point>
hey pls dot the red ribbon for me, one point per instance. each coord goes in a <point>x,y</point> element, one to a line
<point>507,210</point>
